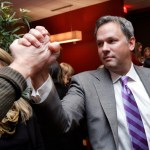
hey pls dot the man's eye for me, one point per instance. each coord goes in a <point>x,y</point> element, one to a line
<point>112,41</point>
<point>99,44</point>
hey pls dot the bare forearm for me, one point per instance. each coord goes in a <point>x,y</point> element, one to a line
<point>24,71</point>
<point>39,78</point>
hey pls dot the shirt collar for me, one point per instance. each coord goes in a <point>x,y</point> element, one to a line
<point>131,74</point>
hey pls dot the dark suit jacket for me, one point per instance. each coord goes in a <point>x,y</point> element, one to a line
<point>26,137</point>
<point>90,96</point>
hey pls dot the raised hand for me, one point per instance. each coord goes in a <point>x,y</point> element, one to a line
<point>28,60</point>
<point>33,54</point>
<point>38,37</point>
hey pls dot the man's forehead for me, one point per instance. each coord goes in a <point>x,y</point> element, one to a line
<point>110,29</point>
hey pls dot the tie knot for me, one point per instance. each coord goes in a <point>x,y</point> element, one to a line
<point>124,80</point>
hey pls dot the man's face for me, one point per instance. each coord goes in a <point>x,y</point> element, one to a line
<point>113,47</point>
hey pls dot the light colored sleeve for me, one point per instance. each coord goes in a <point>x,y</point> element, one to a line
<point>42,93</point>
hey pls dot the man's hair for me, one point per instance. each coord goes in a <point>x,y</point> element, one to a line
<point>125,25</point>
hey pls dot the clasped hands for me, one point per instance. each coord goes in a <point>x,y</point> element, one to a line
<point>33,52</point>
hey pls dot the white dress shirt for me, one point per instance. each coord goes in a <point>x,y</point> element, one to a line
<point>142,100</point>
<point>41,93</point>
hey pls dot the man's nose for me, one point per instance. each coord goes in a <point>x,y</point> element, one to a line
<point>105,47</point>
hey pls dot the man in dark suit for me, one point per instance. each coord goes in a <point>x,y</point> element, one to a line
<point>97,95</point>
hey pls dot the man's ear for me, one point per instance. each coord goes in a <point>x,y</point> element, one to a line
<point>132,43</point>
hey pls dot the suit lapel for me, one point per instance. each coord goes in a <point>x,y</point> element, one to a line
<point>105,90</point>
<point>106,95</point>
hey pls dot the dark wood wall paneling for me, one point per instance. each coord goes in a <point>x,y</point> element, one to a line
<point>141,22</point>
<point>82,55</point>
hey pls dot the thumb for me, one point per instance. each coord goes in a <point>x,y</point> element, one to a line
<point>54,47</point>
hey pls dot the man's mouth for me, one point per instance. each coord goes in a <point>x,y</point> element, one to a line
<point>107,58</point>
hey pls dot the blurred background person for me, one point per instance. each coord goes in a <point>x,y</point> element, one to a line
<point>56,73</point>
<point>67,72</point>
<point>146,52</point>
<point>137,56</point>
<point>146,57</point>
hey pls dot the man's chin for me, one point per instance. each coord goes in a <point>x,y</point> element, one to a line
<point>109,65</point>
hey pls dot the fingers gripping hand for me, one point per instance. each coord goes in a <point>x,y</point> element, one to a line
<point>30,39</point>
<point>39,37</point>
<point>54,49</point>
<point>30,59</point>
<point>42,30</point>
<point>54,52</point>
<point>35,37</point>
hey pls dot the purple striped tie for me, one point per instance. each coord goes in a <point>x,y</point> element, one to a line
<point>134,120</point>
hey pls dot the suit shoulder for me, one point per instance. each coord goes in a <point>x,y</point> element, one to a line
<point>144,69</point>
<point>86,73</point>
